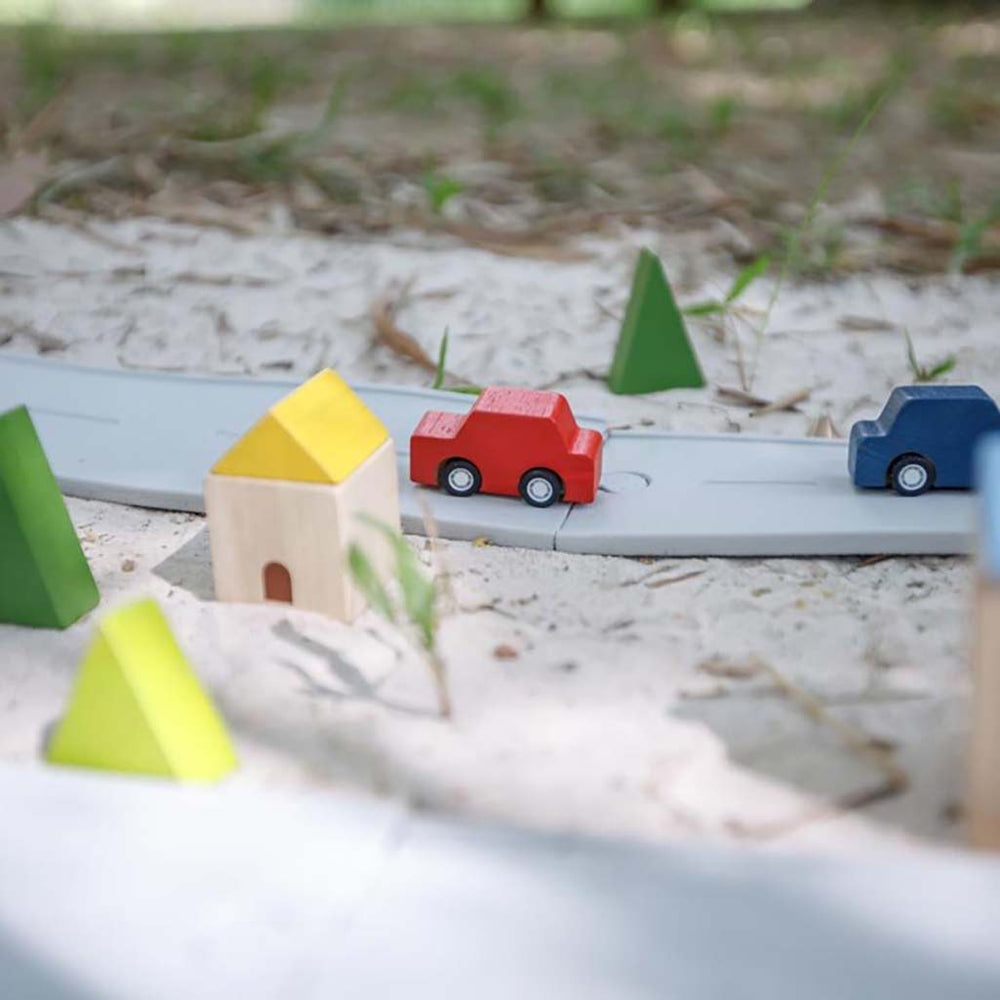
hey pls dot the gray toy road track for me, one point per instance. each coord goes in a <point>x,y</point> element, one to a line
<point>148,439</point>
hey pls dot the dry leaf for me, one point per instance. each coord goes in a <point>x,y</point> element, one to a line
<point>20,178</point>
<point>741,396</point>
<point>740,670</point>
<point>389,333</point>
<point>823,427</point>
<point>536,244</point>
<point>789,402</point>
<point>865,324</point>
<point>982,263</point>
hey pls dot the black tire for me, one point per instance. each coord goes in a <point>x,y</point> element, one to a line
<point>540,487</point>
<point>911,475</point>
<point>459,478</point>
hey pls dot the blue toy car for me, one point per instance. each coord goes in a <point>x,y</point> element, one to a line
<point>924,438</point>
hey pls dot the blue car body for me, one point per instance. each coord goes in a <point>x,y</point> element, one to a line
<point>939,423</point>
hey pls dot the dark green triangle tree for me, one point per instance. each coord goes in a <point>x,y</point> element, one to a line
<point>44,577</point>
<point>653,351</point>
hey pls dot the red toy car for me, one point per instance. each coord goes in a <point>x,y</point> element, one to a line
<point>516,442</point>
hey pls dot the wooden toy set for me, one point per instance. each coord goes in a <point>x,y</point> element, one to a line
<point>283,509</point>
<point>319,475</point>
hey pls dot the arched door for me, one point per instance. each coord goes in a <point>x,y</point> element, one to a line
<point>277,583</point>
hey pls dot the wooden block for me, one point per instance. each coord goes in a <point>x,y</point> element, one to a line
<point>320,433</point>
<point>45,580</point>
<point>137,707</point>
<point>286,541</point>
<point>654,351</point>
<point>984,787</point>
<point>514,442</point>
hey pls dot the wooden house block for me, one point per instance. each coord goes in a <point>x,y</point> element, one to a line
<point>984,785</point>
<point>45,580</point>
<point>287,541</point>
<point>137,707</point>
<point>283,505</point>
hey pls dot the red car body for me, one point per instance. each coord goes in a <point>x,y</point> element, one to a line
<point>508,434</point>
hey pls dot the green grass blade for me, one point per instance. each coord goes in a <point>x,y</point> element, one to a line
<point>368,582</point>
<point>911,357</point>
<point>795,237</point>
<point>419,592</point>
<point>442,358</point>
<point>704,309</point>
<point>754,270</point>
<point>942,368</point>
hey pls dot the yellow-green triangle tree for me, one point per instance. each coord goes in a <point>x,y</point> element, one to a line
<point>654,351</point>
<point>137,706</point>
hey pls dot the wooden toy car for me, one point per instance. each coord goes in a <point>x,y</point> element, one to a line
<point>923,438</point>
<point>515,442</point>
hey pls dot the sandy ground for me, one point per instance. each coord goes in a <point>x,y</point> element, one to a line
<point>654,699</point>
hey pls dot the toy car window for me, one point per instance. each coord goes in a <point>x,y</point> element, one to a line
<point>566,424</point>
<point>893,407</point>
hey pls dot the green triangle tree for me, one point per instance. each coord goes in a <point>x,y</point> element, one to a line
<point>44,577</point>
<point>653,351</point>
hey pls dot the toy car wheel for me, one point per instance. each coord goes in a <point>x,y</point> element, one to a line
<point>540,487</point>
<point>460,478</point>
<point>911,475</point>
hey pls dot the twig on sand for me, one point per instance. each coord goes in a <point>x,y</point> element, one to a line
<point>894,779</point>
<point>544,241</point>
<point>680,578</point>
<point>761,406</point>
<point>789,402</point>
<point>39,124</point>
<point>388,332</point>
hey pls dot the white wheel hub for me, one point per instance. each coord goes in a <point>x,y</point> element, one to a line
<point>461,480</point>
<point>913,477</point>
<point>540,489</point>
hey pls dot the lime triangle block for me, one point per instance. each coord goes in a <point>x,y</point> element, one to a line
<point>137,706</point>
<point>654,351</point>
<point>44,577</point>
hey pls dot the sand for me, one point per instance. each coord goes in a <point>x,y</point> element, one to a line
<point>695,699</point>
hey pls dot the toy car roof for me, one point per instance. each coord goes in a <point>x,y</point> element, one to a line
<point>519,402</point>
<point>946,392</point>
<point>904,394</point>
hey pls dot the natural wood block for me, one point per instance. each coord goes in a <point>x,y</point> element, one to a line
<point>289,541</point>
<point>984,785</point>
<point>138,707</point>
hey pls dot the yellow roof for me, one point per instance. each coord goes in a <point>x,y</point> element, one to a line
<point>320,433</point>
